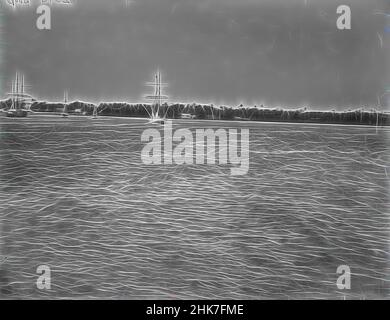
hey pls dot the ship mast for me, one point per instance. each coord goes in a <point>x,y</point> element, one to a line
<point>64,112</point>
<point>22,91</point>
<point>12,95</point>
<point>17,90</point>
<point>65,96</point>
<point>19,99</point>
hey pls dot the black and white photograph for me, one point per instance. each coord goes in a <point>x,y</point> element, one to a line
<point>170,150</point>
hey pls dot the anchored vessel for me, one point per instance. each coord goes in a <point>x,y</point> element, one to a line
<point>65,113</point>
<point>20,101</point>
<point>95,112</point>
<point>157,98</point>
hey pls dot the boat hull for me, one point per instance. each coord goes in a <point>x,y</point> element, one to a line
<point>157,121</point>
<point>17,114</point>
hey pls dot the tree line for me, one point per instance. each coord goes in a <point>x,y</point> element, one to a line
<point>211,112</point>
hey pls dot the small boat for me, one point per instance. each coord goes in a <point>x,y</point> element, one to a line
<point>95,113</point>
<point>17,113</point>
<point>187,116</point>
<point>157,99</point>
<point>157,121</point>
<point>65,113</point>
<point>19,100</point>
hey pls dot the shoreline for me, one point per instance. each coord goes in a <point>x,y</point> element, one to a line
<point>102,117</point>
<point>209,112</point>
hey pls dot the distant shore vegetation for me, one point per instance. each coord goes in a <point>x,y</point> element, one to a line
<point>362,116</point>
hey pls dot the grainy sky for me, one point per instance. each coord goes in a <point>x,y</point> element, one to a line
<point>280,53</point>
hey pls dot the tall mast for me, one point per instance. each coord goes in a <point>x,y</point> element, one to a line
<point>12,94</point>
<point>159,92</point>
<point>17,90</point>
<point>65,110</point>
<point>19,99</point>
<point>159,87</point>
<point>157,95</point>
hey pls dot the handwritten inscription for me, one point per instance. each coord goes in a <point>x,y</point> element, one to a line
<point>27,3</point>
<point>43,9</point>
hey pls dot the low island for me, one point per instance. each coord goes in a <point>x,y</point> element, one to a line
<point>361,116</point>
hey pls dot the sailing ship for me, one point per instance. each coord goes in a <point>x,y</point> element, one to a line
<point>95,112</point>
<point>157,98</point>
<point>20,101</point>
<point>65,113</point>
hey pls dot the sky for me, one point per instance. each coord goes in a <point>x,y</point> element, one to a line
<point>276,53</point>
